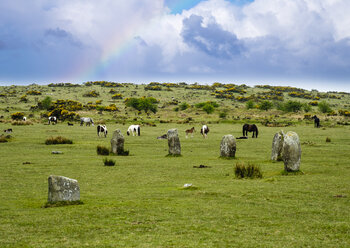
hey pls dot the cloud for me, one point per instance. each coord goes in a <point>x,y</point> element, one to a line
<point>211,39</point>
<point>141,39</point>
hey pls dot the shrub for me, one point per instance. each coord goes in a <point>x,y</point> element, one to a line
<point>265,105</point>
<point>324,107</point>
<point>46,103</point>
<point>208,106</point>
<point>292,106</point>
<point>23,99</point>
<point>184,106</point>
<point>307,107</point>
<point>328,139</point>
<point>101,150</point>
<point>117,96</point>
<point>250,104</point>
<point>58,140</point>
<point>33,92</point>
<point>144,103</point>
<point>17,116</point>
<point>92,93</point>
<point>4,138</point>
<point>108,162</point>
<point>250,171</point>
<point>222,115</point>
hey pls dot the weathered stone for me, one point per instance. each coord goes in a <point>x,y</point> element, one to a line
<point>117,142</point>
<point>228,146</point>
<point>291,151</point>
<point>63,189</point>
<point>277,145</point>
<point>174,142</point>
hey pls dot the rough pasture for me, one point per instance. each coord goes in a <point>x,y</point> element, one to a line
<point>140,201</point>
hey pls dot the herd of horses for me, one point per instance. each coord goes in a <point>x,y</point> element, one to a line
<point>136,129</point>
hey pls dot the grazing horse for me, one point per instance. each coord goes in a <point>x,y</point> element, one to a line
<point>191,131</point>
<point>250,128</point>
<point>24,118</point>
<point>204,131</point>
<point>316,121</point>
<point>9,130</point>
<point>52,119</point>
<point>102,129</point>
<point>133,129</point>
<point>87,120</point>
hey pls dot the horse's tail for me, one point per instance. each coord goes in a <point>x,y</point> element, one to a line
<point>138,131</point>
<point>257,132</point>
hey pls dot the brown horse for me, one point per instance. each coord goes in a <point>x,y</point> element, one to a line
<point>191,131</point>
<point>250,128</point>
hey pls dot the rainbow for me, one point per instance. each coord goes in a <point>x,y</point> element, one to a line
<point>120,43</point>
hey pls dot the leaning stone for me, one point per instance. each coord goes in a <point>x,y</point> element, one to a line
<point>117,142</point>
<point>228,146</point>
<point>277,145</point>
<point>174,142</point>
<point>291,151</point>
<point>63,189</point>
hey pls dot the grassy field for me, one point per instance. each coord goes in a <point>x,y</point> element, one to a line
<point>140,202</point>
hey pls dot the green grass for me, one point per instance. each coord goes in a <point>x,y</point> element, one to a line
<point>138,203</point>
<point>142,201</point>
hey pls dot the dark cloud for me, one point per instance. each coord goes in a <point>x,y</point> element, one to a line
<point>62,34</point>
<point>212,40</point>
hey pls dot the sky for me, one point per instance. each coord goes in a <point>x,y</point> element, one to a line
<point>297,43</point>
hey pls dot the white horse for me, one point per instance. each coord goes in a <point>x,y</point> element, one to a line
<point>52,119</point>
<point>87,120</point>
<point>204,131</point>
<point>133,129</point>
<point>102,129</point>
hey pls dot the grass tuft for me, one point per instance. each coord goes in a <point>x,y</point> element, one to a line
<point>328,139</point>
<point>62,204</point>
<point>108,162</point>
<point>173,155</point>
<point>21,123</point>
<point>249,171</point>
<point>292,173</point>
<point>5,138</point>
<point>58,140</point>
<point>102,150</point>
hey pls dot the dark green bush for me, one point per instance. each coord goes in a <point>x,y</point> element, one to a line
<point>184,106</point>
<point>58,140</point>
<point>250,171</point>
<point>265,105</point>
<point>324,107</point>
<point>101,150</point>
<point>250,104</point>
<point>292,106</point>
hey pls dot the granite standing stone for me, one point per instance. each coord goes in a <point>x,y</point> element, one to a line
<point>228,146</point>
<point>174,142</point>
<point>117,142</point>
<point>291,151</point>
<point>63,189</point>
<point>277,145</point>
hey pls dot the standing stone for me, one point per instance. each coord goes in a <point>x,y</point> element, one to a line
<point>117,142</point>
<point>277,145</point>
<point>228,146</point>
<point>291,151</point>
<point>63,189</point>
<point>174,142</point>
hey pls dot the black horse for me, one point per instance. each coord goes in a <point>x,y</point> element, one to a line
<point>316,120</point>
<point>250,128</point>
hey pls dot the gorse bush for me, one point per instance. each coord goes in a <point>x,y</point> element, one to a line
<point>250,171</point>
<point>292,106</point>
<point>250,104</point>
<point>101,150</point>
<point>108,162</point>
<point>17,116</point>
<point>58,140</point>
<point>184,106</point>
